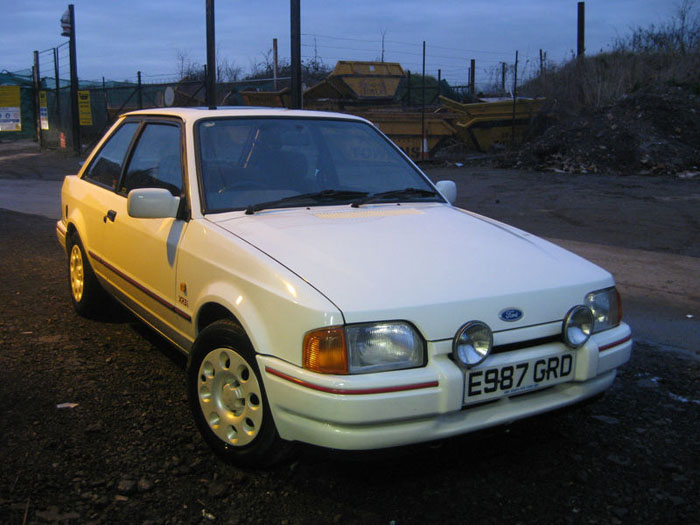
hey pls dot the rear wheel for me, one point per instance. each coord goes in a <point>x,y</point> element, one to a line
<point>228,399</point>
<point>87,295</point>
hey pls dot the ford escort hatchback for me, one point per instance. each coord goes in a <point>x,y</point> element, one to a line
<point>324,289</point>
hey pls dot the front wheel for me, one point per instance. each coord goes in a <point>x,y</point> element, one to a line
<point>228,399</point>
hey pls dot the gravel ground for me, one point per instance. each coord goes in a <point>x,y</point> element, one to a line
<point>125,450</point>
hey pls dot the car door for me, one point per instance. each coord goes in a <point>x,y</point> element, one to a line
<point>97,191</point>
<point>141,254</point>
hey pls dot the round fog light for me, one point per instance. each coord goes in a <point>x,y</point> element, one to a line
<point>472,344</point>
<point>578,326</point>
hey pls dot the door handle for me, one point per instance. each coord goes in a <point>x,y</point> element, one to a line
<point>111,214</point>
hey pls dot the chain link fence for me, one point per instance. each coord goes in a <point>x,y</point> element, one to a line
<point>100,103</point>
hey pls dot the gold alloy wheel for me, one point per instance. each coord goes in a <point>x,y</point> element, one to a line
<point>77,273</point>
<point>230,397</point>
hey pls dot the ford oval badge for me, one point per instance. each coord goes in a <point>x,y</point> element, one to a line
<point>511,315</point>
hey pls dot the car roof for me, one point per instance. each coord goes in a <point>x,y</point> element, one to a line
<point>193,114</point>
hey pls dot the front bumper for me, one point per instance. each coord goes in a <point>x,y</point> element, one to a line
<point>61,234</point>
<point>410,406</point>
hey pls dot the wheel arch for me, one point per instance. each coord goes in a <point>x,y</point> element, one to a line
<point>75,225</point>
<point>71,212</point>
<point>224,300</point>
<point>274,319</point>
<point>213,311</point>
<point>71,230</point>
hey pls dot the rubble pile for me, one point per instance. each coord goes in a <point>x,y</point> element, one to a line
<point>649,132</point>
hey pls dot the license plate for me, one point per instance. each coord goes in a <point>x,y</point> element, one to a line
<point>491,383</point>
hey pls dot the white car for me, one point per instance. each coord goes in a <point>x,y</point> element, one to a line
<point>325,290</point>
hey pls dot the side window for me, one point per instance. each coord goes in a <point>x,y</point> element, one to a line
<point>106,167</point>
<point>156,161</point>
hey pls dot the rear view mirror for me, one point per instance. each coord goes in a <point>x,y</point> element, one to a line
<point>448,189</point>
<point>152,203</point>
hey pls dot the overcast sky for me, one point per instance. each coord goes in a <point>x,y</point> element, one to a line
<point>117,38</point>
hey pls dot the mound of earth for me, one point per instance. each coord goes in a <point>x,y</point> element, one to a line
<point>648,132</point>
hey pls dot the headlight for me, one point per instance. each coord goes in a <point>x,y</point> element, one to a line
<point>578,326</point>
<point>383,346</point>
<point>472,344</point>
<point>363,348</point>
<point>606,307</point>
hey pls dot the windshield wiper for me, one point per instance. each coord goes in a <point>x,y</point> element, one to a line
<point>307,198</point>
<point>393,194</point>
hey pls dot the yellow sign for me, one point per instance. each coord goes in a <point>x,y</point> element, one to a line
<point>84,111</point>
<point>10,114</point>
<point>43,110</point>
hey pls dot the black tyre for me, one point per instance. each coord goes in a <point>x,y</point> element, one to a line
<point>87,295</point>
<point>228,399</point>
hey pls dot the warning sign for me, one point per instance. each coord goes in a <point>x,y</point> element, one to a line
<point>10,114</point>
<point>84,111</point>
<point>43,110</point>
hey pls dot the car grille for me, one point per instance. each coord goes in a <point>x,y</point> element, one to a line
<point>500,349</point>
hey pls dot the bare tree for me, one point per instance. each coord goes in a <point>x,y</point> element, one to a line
<point>189,70</point>
<point>313,70</point>
<point>227,71</point>
<point>679,35</point>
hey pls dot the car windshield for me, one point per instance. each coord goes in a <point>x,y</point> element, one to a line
<point>262,163</point>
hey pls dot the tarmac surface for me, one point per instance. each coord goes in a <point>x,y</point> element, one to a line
<point>30,180</point>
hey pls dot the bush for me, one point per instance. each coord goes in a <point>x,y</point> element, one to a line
<point>668,54</point>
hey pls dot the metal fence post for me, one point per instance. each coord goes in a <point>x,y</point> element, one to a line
<point>472,77</point>
<point>104,98</point>
<point>205,85</point>
<point>295,31</point>
<point>58,86</point>
<point>580,37</point>
<point>37,86</point>
<point>541,63</point>
<point>140,93</point>
<point>74,82</point>
<point>423,143</point>
<point>515,94</point>
<point>211,56</point>
<point>275,73</point>
<point>503,77</point>
<point>408,89</point>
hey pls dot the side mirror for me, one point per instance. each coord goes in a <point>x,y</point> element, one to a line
<point>152,203</point>
<point>448,189</point>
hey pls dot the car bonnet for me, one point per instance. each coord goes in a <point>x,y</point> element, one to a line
<point>430,264</point>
